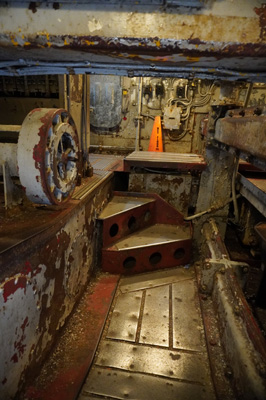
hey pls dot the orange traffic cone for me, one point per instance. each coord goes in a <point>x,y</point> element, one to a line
<point>156,140</point>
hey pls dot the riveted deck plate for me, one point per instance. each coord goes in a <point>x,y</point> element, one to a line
<point>116,384</point>
<point>162,362</point>
<point>148,365</point>
<point>156,278</point>
<point>155,320</point>
<point>125,317</point>
<point>188,333</point>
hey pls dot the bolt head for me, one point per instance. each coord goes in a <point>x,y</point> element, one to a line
<point>203,288</point>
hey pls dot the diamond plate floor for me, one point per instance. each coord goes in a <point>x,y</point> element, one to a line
<point>153,345</point>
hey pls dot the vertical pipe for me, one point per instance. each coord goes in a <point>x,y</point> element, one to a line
<point>249,90</point>
<point>68,94</point>
<point>139,115</point>
<point>236,211</point>
<point>88,111</point>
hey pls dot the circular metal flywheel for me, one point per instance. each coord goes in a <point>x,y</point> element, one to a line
<point>48,155</point>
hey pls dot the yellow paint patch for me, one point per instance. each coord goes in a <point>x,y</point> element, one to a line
<point>89,43</point>
<point>134,56</point>
<point>66,43</point>
<point>158,43</point>
<point>163,58</point>
<point>193,59</point>
<point>26,43</point>
<point>13,40</point>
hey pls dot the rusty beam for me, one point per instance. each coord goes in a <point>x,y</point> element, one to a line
<point>224,40</point>
<point>245,130</point>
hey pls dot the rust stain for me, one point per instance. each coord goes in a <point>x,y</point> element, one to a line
<point>12,285</point>
<point>33,7</point>
<point>14,358</point>
<point>128,47</point>
<point>76,89</point>
<point>50,248</point>
<point>40,148</point>
<point>261,12</point>
<point>19,345</point>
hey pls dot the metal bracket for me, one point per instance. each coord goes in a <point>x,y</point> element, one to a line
<point>211,267</point>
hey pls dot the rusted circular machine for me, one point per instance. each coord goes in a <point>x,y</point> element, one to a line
<point>48,155</point>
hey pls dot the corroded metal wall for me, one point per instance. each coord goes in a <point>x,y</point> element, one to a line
<point>84,37</point>
<point>41,280</point>
<point>176,190</point>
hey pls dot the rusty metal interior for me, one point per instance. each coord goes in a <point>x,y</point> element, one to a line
<point>133,200</point>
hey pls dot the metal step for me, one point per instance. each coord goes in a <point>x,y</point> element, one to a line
<point>124,215</point>
<point>120,204</point>
<point>154,235</point>
<point>155,247</point>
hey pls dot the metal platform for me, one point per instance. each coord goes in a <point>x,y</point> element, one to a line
<point>177,161</point>
<point>106,162</point>
<point>254,190</point>
<point>153,346</point>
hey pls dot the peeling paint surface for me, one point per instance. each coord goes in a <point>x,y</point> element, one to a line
<point>20,302</point>
<point>42,279</point>
<point>45,164</point>
<point>112,20</point>
<point>215,37</point>
<point>261,12</point>
<point>174,189</point>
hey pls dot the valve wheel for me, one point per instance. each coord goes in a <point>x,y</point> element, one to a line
<point>48,155</point>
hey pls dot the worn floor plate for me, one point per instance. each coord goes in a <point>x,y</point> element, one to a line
<point>162,362</point>
<point>153,346</point>
<point>120,204</point>
<point>116,384</point>
<point>188,333</point>
<point>155,320</point>
<point>153,235</point>
<point>153,279</point>
<point>125,317</point>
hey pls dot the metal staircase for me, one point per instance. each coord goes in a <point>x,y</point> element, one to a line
<point>142,232</point>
